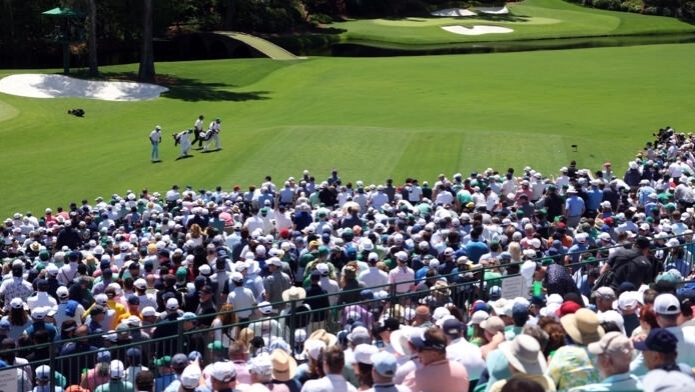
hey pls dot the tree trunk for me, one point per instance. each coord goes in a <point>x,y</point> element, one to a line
<point>229,15</point>
<point>92,42</point>
<point>146,72</point>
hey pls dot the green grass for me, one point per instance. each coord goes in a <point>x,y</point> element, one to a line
<point>369,118</point>
<point>530,20</point>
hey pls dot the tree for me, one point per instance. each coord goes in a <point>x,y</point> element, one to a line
<point>146,72</point>
<point>92,41</point>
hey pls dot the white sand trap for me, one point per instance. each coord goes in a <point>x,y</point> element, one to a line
<point>454,12</point>
<point>60,86</point>
<point>477,30</point>
<point>493,10</point>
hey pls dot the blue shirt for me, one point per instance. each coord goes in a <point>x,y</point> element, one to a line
<point>574,205</point>
<point>616,382</point>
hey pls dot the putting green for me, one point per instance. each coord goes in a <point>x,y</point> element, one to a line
<point>439,21</point>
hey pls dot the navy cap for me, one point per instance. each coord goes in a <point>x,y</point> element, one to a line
<point>367,294</point>
<point>660,340</point>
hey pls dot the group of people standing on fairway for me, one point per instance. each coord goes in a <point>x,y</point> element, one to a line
<point>183,138</point>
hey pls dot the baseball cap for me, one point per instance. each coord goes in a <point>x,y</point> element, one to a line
<point>116,369</point>
<point>452,327</point>
<point>62,292</point>
<point>190,378</point>
<point>39,313</point>
<point>140,283</point>
<point>363,353</point>
<point>5,324</point>
<point>187,316</point>
<point>164,361</point>
<point>660,340</point>
<point>606,293</point>
<point>133,352</point>
<point>179,361</point>
<point>384,363</point>
<point>148,311</point>
<point>172,304</point>
<point>43,372</point>
<point>265,308</point>
<point>667,304</point>
<point>237,277</point>
<point>611,343</point>
<point>103,356</point>
<point>492,324</point>
<point>359,335</point>
<point>223,371</point>
<point>423,341</point>
<point>16,303</point>
<point>261,365</point>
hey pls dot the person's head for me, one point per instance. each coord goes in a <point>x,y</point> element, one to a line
<point>614,352</point>
<point>517,384</point>
<point>238,351</point>
<point>261,369</point>
<point>333,360</point>
<point>604,297</point>
<point>667,309</point>
<point>659,348</point>
<point>430,344</point>
<point>384,366</point>
<point>144,380</point>
<point>222,375</point>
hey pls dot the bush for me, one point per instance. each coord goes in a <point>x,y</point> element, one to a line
<point>321,19</point>
<point>650,11</point>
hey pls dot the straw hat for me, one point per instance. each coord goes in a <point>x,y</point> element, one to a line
<point>293,294</point>
<point>582,326</point>
<point>441,288</point>
<point>399,341</point>
<point>322,335</point>
<point>284,366</point>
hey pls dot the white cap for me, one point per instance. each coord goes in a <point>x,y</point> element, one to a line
<point>116,369</point>
<point>172,304</point>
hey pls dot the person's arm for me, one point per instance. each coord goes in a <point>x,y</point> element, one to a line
<point>494,343</point>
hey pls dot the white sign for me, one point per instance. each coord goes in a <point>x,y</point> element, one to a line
<point>8,380</point>
<point>514,287</point>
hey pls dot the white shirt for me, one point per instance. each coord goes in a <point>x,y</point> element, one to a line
<point>468,355</point>
<point>330,383</point>
<point>374,277</point>
<point>41,300</point>
<point>402,274</point>
<point>155,136</point>
<point>198,125</point>
<point>60,315</point>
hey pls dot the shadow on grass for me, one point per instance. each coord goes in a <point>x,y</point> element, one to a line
<point>191,90</point>
<point>503,17</point>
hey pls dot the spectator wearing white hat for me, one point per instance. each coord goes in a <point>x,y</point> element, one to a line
<point>374,276</point>
<point>275,283</point>
<point>241,298</point>
<point>223,377</point>
<point>402,276</point>
<point>526,360</point>
<point>43,380</point>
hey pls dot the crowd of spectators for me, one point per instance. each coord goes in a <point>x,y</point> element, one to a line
<point>327,285</point>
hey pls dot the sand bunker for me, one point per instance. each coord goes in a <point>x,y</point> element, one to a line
<point>493,10</point>
<point>454,12</point>
<point>61,86</point>
<point>477,30</point>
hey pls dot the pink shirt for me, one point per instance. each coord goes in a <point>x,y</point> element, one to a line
<point>440,376</point>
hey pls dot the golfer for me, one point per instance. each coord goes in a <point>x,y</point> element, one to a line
<point>215,130</point>
<point>198,135</point>
<point>155,139</point>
